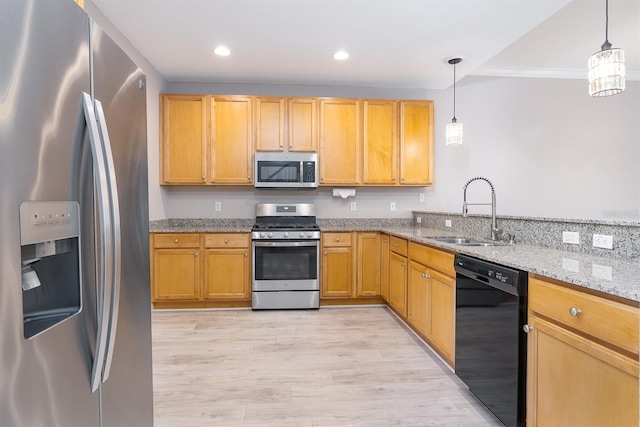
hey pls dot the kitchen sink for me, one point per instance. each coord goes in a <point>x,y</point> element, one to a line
<point>462,241</point>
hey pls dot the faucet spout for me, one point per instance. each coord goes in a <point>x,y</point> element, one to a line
<point>495,231</point>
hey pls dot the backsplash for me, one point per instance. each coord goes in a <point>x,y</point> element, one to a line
<point>545,232</point>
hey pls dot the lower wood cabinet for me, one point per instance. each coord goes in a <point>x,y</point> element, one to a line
<point>398,272</point>
<point>191,270</point>
<point>368,264</point>
<point>431,298</point>
<point>384,266</point>
<point>338,258</point>
<point>578,374</point>
<point>175,267</point>
<point>227,270</point>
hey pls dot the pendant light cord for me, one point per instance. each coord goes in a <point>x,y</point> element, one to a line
<point>606,45</point>
<point>454,92</point>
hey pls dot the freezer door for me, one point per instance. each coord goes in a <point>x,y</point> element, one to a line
<point>127,395</point>
<point>44,46</point>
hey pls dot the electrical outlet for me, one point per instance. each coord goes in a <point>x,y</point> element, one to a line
<point>218,206</point>
<point>353,206</point>
<point>572,237</point>
<point>447,223</point>
<point>422,198</point>
<point>602,241</point>
<point>392,206</point>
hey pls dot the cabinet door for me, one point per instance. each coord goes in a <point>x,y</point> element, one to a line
<point>339,141</point>
<point>226,274</point>
<point>232,145</point>
<point>270,124</point>
<point>184,138</point>
<point>302,116</point>
<point>379,142</point>
<point>417,296</point>
<point>572,381</point>
<point>441,310</point>
<point>398,283</point>
<point>337,272</point>
<point>416,142</point>
<point>384,268</point>
<point>368,275</point>
<point>175,274</point>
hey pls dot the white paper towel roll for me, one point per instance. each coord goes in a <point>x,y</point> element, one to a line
<point>344,192</point>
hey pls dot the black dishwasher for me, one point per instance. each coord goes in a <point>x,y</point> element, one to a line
<point>491,350</point>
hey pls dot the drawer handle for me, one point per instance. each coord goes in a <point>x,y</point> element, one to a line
<point>426,276</point>
<point>395,245</point>
<point>575,312</point>
<point>337,239</point>
<point>175,241</point>
<point>527,329</point>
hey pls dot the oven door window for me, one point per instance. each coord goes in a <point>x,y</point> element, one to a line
<point>286,263</point>
<point>274,171</point>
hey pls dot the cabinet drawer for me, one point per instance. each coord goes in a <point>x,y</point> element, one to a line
<point>226,240</point>
<point>398,245</point>
<point>607,320</point>
<point>176,240</point>
<point>336,239</point>
<point>434,258</point>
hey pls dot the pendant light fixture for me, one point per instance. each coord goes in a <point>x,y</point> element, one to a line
<point>606,68</point>
<point>454,129</point>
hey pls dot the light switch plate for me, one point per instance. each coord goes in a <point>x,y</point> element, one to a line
<point>353,206</point>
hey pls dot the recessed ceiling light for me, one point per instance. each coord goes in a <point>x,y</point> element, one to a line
<point>340,55</point>
<point>222,51</point>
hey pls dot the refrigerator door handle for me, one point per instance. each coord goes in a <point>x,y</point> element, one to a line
<point>103,255</point>
<point>115,248</point>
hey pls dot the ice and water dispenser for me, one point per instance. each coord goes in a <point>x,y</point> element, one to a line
<point>50,252</point>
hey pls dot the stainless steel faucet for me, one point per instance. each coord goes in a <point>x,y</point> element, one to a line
<point>495,231</point>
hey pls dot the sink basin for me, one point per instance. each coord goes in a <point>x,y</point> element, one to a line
<point>463,241</point>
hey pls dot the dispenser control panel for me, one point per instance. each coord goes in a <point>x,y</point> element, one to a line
<point>49,220</point>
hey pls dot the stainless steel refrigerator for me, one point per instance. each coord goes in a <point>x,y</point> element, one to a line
<point>75,322</point>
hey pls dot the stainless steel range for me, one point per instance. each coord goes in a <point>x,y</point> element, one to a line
<point>286,257</point>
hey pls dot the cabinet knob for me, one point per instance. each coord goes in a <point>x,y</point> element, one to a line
<point>385,240</point>
<point>325,254</point>
<point>203,177</point>
<point>337,239</point>
<point>575,312</point>
<point>402,264</point>
<point>249,178</point>
<point>196,254</point>
<point>395,245</point>
<point>226,240</point>
<point>176,241</point>
<point>527,328</point>
<point>246,255</point>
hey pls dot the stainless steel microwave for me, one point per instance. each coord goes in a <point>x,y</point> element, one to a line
<point>286,170</point>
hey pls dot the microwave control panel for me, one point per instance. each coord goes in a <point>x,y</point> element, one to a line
<point>308,171</point>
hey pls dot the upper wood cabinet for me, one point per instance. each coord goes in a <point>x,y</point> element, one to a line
<point>80,3</point>
<point>380,142</point>
<point>211,139</point>
<point>339,141</point>
<point>184,139</point>
<point>232,140</point>
<point>286,124</point>
<point>416,142</point>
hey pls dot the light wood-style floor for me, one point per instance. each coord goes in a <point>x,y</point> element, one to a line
<point>330,367</point>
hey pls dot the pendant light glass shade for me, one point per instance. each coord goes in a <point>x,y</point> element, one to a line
<point>606,67</point>
<point>453,132</point>
<point>606,72</point>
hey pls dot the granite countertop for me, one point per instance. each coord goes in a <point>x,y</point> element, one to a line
<point>613,276</point>
<point>609,275</point>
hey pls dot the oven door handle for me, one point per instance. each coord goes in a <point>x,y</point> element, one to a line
<point>286,244</point>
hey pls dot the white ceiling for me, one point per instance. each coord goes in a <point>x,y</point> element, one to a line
<point>392,43</point>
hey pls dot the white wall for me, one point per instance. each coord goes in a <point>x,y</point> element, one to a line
<point>155,85</point>
<point>549,149</point>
